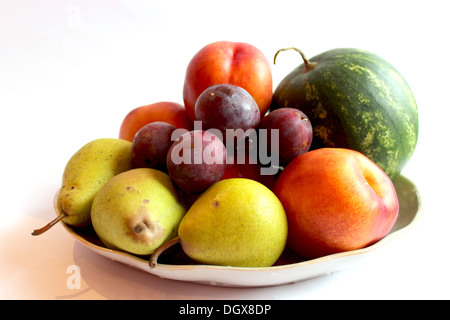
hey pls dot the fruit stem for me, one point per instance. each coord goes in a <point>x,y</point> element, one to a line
<point>308,64</point>
<point>49,225</point>
<point>161,249</point>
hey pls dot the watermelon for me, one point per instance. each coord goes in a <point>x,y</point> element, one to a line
<point>356,100</point>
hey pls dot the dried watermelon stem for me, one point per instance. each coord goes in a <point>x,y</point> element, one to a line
<point>308,64</point>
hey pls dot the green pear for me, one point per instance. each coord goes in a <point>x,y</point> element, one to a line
<point>137,211</point>
<point>85,173</point>
<point>236,222</point>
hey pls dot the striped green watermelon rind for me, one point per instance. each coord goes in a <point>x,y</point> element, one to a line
<point>357,100</point>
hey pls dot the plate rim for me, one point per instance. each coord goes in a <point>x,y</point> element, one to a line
<point>144,264</point>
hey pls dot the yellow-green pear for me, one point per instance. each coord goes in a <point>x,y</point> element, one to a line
<point>236,222</point>
<point>137,211</point>
<point>85,173</point>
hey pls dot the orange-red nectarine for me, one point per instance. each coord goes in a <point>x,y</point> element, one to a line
<point>170,112</point>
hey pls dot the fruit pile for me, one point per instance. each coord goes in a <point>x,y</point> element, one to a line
<point>241,173</point>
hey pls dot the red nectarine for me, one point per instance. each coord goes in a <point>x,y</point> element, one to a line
<point>335,200</point>
<point>236,63</point>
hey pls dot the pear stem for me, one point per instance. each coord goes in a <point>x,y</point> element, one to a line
<point>49,225</point>
<point>161,249</point>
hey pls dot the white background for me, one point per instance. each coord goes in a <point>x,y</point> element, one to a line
<point>71,70</point>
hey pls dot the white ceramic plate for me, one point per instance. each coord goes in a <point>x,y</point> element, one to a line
<point>410,209</point>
